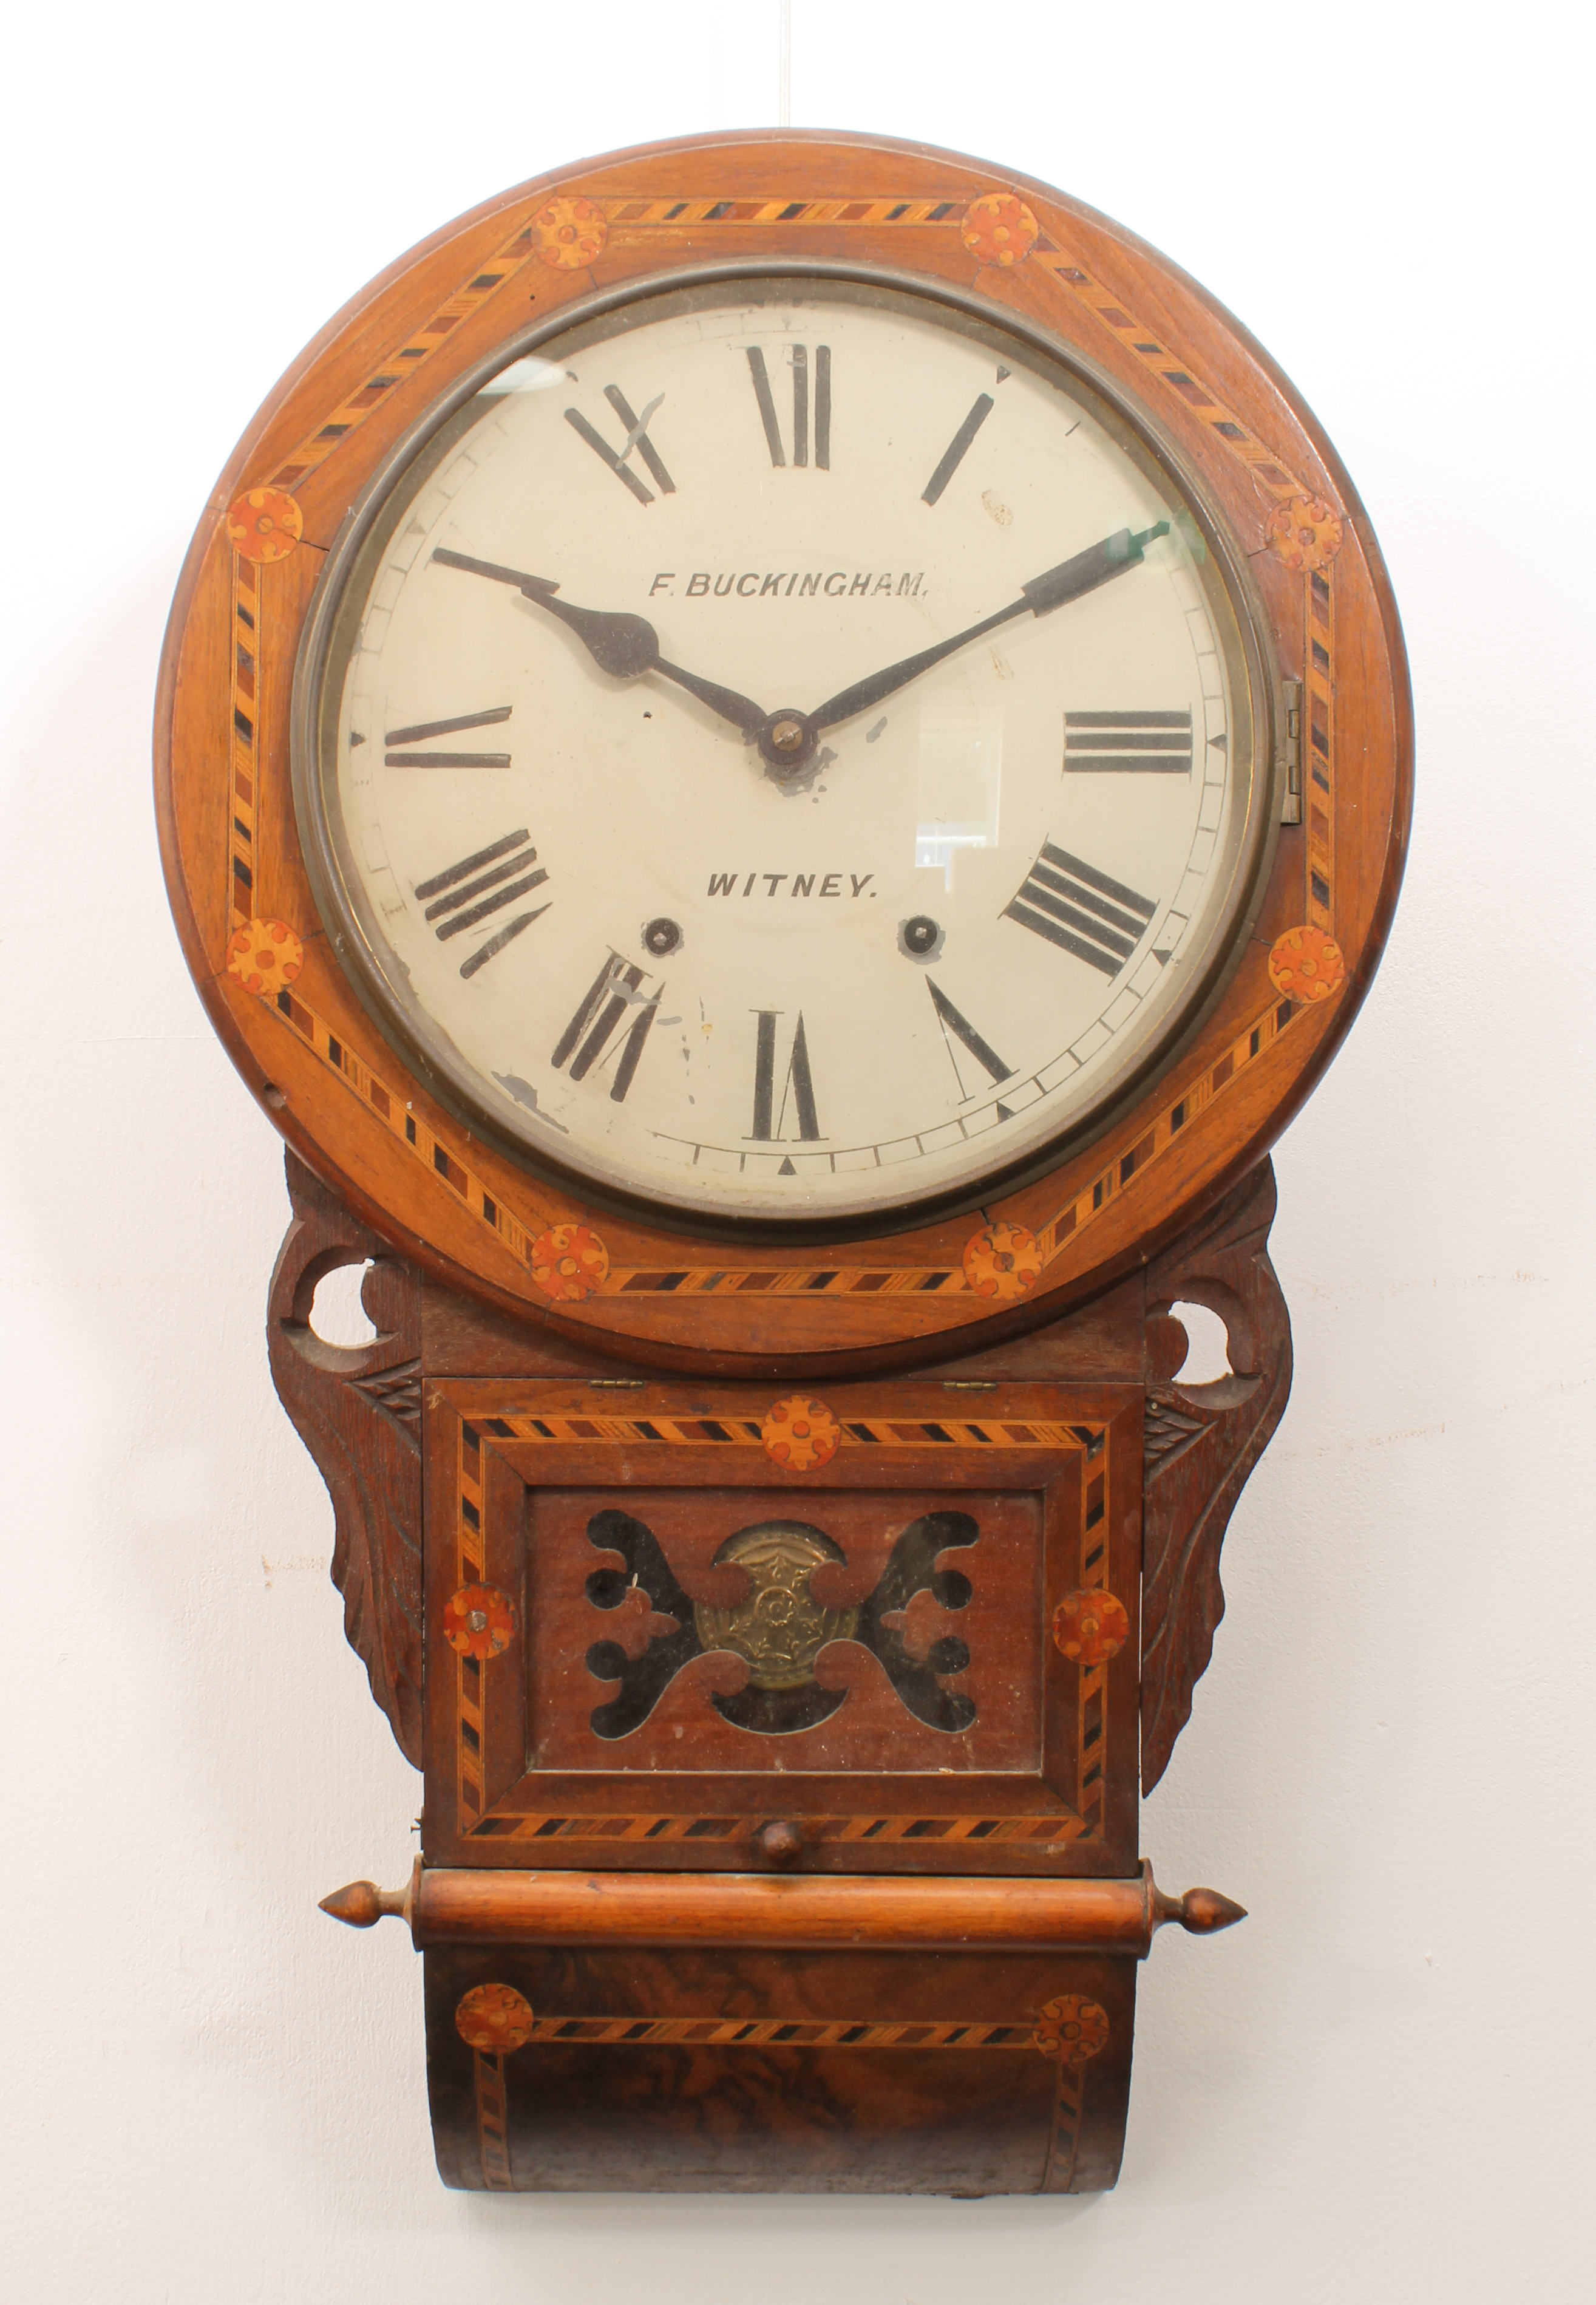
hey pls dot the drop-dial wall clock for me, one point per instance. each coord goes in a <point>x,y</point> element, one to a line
<point>779,759</point>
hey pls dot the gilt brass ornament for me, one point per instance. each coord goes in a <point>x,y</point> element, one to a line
<point>781,1628</point>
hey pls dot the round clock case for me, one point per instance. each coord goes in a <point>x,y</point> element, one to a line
<point>1137,871</point>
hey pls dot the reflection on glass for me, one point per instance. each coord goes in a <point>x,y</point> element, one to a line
<point>959,775</point>
<point>528,375</point>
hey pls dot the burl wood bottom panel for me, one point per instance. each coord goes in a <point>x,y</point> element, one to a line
<point>683,2071</point>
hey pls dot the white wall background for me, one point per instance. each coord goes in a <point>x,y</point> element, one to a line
<point>1378,2087</point>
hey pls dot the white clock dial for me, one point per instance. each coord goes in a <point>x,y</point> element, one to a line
<point>785,751</point>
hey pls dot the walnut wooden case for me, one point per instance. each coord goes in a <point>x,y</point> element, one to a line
<point>959,1440</point>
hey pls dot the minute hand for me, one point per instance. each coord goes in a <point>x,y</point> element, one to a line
<point>1096,566</point>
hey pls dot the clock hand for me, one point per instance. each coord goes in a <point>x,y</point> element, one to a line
<point>1085,572</point>
<point>624,646</point>
<point>741,711</point>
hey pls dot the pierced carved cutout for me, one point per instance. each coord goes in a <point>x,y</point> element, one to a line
<point>778,1625</point>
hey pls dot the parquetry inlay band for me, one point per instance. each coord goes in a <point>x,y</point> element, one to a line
<point>808,1281</point>
<point>982,215</point>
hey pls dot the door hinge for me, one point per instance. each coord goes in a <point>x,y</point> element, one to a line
<point>1291,799</point>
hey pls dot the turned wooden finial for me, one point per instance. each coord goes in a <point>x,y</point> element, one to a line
<point>1202,1911</point>
<point>361,1903</point>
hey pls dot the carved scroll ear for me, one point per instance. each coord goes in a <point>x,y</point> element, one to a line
<point>1200,1443</point>
<point>358,1410</point>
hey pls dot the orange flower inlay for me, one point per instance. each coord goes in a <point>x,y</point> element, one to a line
<point>800,1433</point>
<point>266,956</point>
<point>999,228</point>
<point>478,1621</point>
<point>569,1261</point>
<point>1002,1260</point>
<point>1306,533</point>
<point>264,524</point>
<point>1072,2029</point>
<point>1091,1627</point>
<point>571,232</point>
<point>494,2018</point>
<point>1306,964</point>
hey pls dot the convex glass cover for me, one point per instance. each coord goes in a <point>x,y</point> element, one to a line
<point>784,749</point>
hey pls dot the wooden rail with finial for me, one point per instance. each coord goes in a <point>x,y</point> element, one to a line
<point>455,1905</point>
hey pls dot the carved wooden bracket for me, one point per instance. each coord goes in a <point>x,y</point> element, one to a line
<point>1202,1443</point>
<point>359,1411</point>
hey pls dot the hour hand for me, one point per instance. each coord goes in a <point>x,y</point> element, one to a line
<point>624,646</point>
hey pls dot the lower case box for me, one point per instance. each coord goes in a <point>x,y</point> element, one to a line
<point>600,2069</point>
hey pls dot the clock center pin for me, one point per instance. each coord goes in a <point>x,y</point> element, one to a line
<point>787,743</point>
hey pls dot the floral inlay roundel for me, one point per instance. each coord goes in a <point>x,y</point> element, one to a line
<point>800,1433</point>
<point>494,2018</point>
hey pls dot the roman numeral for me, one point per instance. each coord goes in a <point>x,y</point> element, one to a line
<point>960,1028</point>
<point>952,456</point>
<point>769,1121</point>
<point>423,731</point>
<point>1151,744</point>
<point>1077,907</point>
<point>801,410</point>
<point>637,437</point>
<point>592,1035</point>
<point>470,892</point>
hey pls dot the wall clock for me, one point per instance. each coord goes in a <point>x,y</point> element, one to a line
<point>780,758</point>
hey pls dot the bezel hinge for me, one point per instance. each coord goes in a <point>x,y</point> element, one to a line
<point>1291,797</point>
